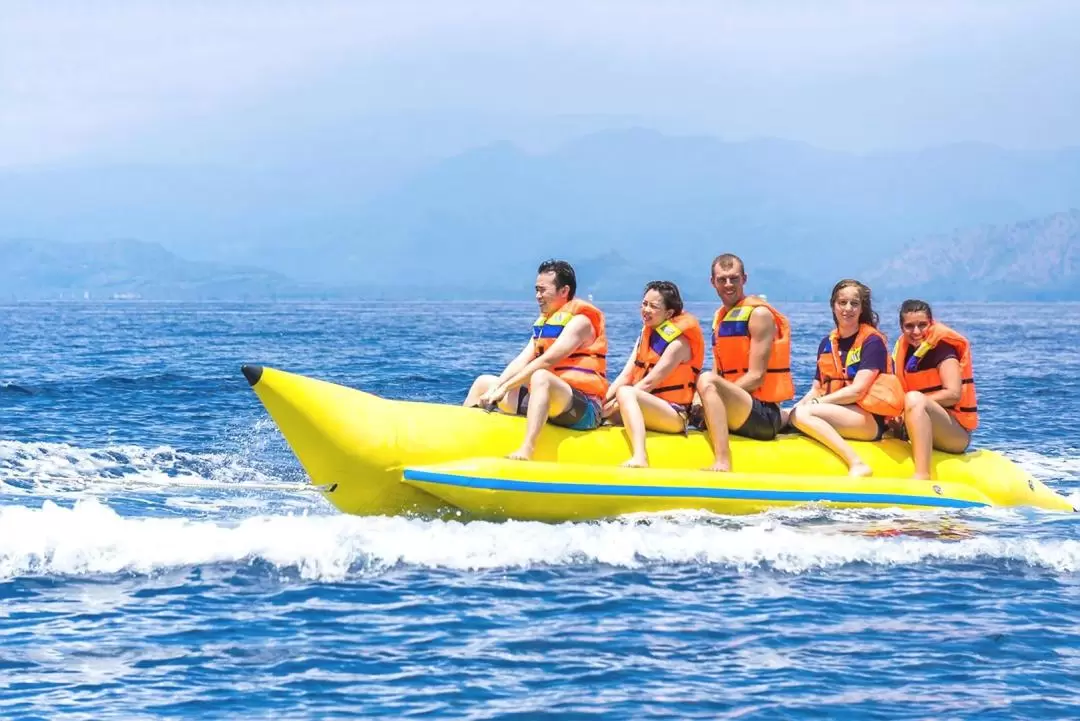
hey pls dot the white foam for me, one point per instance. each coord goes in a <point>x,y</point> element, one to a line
<point>60,467</point>
<point>1049,468</point>
<point>91,538</point>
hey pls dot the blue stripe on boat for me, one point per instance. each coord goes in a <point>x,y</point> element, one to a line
<point>591,489</point>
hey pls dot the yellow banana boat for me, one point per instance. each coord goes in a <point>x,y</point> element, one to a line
<point>373,456</point>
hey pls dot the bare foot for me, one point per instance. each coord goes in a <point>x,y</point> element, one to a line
<point>636,462</point>
<point>522,454</point>
<point>921,476</point>
<point>720,467</point>
<point>860,470</point>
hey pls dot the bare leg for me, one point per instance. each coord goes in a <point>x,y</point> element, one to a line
<point>712,405</point>
<point>920,433</point>
<point>548,395</point>
<point>641,411</point>
<point>930,426</point>
<point>737,402</point>
<point>949,435</point>
<point>830,424</point>
<point>482,385</point>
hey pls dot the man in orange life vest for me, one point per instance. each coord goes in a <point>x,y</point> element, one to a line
<point>561,373</point>
<point>751,372</point>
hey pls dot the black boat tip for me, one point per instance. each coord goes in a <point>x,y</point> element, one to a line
<point>252,373</point>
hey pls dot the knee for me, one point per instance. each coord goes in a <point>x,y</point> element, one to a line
<point>798,415</point>
<point>625,395</point>
<point>914,402</point>
<point>706,384</point>
<point>541,379</point>
<point>483,383</point>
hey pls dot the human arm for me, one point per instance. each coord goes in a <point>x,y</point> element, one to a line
<point>873,361</point>
<point>762,329</point>
<point>852,392</point>
<point>678,351</point>
<point>578,332</point>
<point>951,384</point>
<point>520,361</point>
<point>814,392</point>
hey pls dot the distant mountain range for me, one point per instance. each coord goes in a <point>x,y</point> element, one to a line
<point>677,202</point>
<point>1035,259</point>
<point>130,269</point>
<point>626,206</point>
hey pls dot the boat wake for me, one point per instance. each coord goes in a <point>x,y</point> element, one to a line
<point>59,467</point>
<point>91,538</point>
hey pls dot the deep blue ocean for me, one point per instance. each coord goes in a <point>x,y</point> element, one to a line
<point>162,557</point>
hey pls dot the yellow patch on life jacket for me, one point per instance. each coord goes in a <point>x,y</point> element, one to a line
<point>853,356</point>
<point>739,312</point>
<point>559,318</point>
<point>920,352</point>
<point>668,331</point>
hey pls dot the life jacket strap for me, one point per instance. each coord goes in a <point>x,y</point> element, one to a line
<point>665,389</point>
<point>733,371</point>
<point>579,369</point>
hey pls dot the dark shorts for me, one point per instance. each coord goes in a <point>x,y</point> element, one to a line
<point>882,426</point>
<point>584,413</point>
<point>684,412</point>
<point>762,424</point>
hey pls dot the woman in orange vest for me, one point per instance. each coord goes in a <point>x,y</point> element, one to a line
<point>854,390</point>
<point>655,388</point>
<point>933,363</point>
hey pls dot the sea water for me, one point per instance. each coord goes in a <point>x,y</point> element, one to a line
<point>162,556</point>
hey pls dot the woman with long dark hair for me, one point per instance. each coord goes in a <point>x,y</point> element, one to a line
<point>854,391</point>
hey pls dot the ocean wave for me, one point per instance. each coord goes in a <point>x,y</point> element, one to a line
<point>60,465</point>
<point>1062,466</point>
<point>16,389</point>
<point>69,384</point>
<point>91,539</point>
<point>149,379</point>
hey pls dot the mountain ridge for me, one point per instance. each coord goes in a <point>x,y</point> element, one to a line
<point>1032,259</point>
<point>497,207</point>
<point>1035,258</point>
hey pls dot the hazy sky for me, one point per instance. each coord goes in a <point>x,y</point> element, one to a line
<point>153,80</point>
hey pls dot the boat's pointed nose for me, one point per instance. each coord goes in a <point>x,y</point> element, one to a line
<point>252,372</point>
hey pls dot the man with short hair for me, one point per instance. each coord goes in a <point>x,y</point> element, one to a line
<point>751,372</point>
<point>561,373</point>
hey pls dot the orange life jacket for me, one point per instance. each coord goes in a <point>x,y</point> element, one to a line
<point>884,397</point>
<point>585,368</point>
<point>731,349</point>
<point>679,385</point>
<point>966,410</point>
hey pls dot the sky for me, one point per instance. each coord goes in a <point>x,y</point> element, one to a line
<point>116,81</point>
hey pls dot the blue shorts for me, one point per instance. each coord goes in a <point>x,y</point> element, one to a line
<point>584,413</point>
